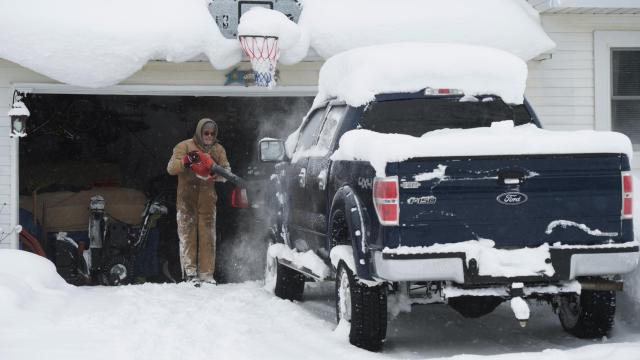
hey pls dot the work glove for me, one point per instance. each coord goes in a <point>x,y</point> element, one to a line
<point>202,168</point>
<point>191,158</point>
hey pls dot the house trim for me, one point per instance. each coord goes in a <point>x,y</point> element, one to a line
<point>603,42</point>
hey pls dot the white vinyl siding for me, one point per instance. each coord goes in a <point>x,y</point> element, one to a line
<point>6,205</point>
<point>561,89</point>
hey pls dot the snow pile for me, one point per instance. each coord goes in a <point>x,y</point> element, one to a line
<point>293,41</point>
<point>339,25</point>
<point>500,139</point>
<point>307,259</point>
<point>25,277</point>
<point>491,261</point>
<point>357,75</point>
<point>100,43</point>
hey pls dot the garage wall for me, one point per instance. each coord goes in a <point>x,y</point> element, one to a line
<point>154,73</point>
<point>562,89</point>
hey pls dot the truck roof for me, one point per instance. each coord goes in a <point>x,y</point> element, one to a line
<point>357,76</point>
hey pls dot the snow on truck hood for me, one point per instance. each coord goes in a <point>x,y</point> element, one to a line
<point>502,138</point>
<point>357,76</point>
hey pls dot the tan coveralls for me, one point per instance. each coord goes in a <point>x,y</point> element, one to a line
<point>196,207</point>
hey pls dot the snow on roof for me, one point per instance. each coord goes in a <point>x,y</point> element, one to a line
<point>100,43</point>
<point>501,138</point>
<point>338,25</point>
<point>357,75</point>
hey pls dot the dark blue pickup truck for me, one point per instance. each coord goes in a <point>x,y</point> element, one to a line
<point>473,233</point>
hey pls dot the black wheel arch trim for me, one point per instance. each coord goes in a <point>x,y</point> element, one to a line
<point>357,223</point>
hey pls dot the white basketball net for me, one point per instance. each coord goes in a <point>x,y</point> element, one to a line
<point>263,51</point>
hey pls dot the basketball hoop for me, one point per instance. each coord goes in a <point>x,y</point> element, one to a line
<point>263,51</point>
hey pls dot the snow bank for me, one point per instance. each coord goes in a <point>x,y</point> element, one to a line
<point>500,139</point>
<point>491,261</point>
<point>100,43</point>
<point>357,75</point>
<point>24,277</point>
<point>339,25</point>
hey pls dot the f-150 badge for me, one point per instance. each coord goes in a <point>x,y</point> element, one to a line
<point>424,200</point>
<point>512,198</point>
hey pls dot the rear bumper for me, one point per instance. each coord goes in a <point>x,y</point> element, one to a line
<point>569,263</point>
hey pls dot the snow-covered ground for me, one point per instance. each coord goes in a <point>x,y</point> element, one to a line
<point>43,318</point>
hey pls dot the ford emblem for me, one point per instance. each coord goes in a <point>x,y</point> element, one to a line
<point>512,198</point>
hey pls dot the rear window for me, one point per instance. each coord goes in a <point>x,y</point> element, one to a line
<point>418,116</point>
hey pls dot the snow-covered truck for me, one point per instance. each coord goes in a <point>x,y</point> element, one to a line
<point>438,185</point>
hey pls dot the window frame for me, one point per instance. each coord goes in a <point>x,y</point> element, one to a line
<point>604,44</point>
<point>306,125</point>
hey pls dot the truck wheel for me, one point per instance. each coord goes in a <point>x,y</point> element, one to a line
<point>589,315</point>
<point>363,307</point>
<point>285,282</point>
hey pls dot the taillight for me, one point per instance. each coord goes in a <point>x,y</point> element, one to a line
<point>239,198</point>
<point>386,200</point>
<point>627,195</point>
<point>442,91</point>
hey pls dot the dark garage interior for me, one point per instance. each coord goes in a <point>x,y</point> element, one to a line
<point>117,146</point>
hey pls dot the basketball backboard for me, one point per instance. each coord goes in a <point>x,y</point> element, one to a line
<point>227,13</point>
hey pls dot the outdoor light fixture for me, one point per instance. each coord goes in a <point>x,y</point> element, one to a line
<point>19,115</point>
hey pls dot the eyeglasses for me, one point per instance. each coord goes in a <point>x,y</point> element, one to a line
<point>208,133</point>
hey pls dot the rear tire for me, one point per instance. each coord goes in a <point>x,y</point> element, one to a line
<point>363,307</point>
<point>589,315</point>
<point>285,282</point>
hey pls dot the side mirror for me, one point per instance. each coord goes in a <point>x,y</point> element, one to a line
<point>271,150</point>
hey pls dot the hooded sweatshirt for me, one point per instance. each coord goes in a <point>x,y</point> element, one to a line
<point>187,179</point>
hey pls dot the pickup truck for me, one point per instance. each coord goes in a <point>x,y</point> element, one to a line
<point>471,231</point>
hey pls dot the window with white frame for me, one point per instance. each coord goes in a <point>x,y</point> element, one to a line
<point>625,92</point>
<point>617,84</point>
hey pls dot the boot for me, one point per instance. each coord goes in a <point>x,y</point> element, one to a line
<point>192,279</point>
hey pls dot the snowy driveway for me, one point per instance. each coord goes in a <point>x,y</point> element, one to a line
<point>243,321</point>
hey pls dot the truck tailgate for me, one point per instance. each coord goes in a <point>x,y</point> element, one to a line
<point>516,201</point>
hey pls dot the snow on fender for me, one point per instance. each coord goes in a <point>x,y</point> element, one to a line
<point>344,253</point>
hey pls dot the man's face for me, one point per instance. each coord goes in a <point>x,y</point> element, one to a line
<point>208,134</point>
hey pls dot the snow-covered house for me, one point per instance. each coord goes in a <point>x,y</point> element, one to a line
<point>591,80</point>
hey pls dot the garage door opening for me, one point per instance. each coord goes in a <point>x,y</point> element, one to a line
<point>118,146</point>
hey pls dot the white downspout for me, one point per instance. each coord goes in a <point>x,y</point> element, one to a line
<point>14,197</point>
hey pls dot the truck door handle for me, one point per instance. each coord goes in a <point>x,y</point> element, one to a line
<point>302,177</point>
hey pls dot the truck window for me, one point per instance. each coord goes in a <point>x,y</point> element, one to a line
<point>309,132</point>
<point>330,127</point>
<point>418,116</point>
